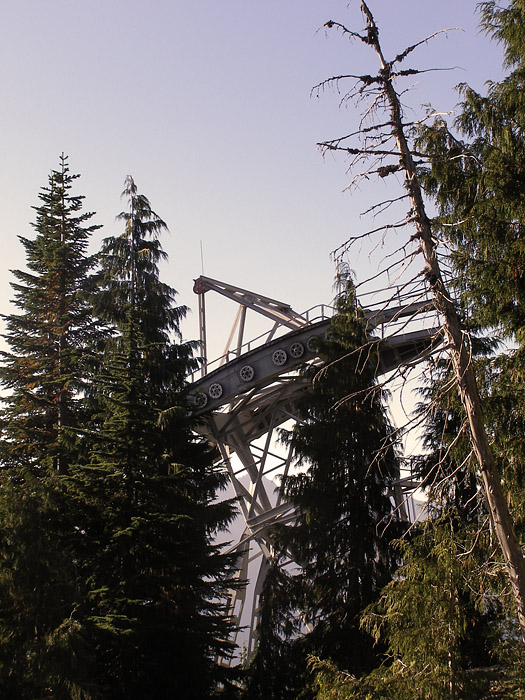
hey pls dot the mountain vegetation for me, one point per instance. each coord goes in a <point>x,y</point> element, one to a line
<point>451,623</point>
<point>110,579</point>
<point>112,584</point>
<point>346,519</point>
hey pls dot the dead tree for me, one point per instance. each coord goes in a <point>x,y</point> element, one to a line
<point>382,141</point>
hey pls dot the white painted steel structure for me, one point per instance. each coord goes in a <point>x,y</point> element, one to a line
<point>251,390</point>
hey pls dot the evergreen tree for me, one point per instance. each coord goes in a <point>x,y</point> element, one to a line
<point>439,616</point>
<point>476,176</point>
<point>442,617</point>
<point>441,620</point>
<point>45,370</point>
<point>478,183</point>
<point>278,669</point>
<point>345,516</point>
<point>390,139</point>
<point>155,576</point>
<point>43,646</point>
<point>438,634</point>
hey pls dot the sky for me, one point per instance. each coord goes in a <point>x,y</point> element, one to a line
<point>208,105</point>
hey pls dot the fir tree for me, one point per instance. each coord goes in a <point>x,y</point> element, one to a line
<point>390,139</point>
<point>476,176</point>
<point>155,576</point>
<point>442,617</point>
<point>44,650</point>
<point>45,369</point>
<point>346,519</point>
<point>439,617</point>
<point>441,620</point>
<point>438,637</point>
<point>278,668</point>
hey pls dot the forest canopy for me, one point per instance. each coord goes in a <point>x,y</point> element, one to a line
<point>112,582</point>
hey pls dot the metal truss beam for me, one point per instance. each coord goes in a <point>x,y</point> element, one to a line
<point>243,399</point>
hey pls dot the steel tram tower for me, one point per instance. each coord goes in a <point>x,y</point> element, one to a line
<point>250,390</point>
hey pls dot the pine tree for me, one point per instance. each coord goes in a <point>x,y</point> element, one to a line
<point>278,668</point>
<point>440,616</point>
<point>441,620</point>
<point>45,370</point>
<point>155,576</point>
<point>479,184</point>
<point>488,245</point>
<point>44,650</point>
<point>438,638</point>
<point>390,139</point>
<point>476,177</point>
<point>346,519</point>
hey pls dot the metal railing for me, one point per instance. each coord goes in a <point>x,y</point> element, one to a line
<point>320,312</point>
<point>389,298</point>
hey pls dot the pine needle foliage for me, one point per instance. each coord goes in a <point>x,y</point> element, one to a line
<point>437,628</point>
<point>155,577</point>
<point>45,367</point>
<point>44,649</point>
<point>345,521</point>
<point>476,176</point>
<point>346,517</point>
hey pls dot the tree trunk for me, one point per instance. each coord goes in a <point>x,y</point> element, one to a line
<point>459,351</point>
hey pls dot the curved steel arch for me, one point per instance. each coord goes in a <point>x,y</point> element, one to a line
<point>251,390</point>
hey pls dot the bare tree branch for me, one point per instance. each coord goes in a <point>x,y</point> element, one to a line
<point>380,89</point>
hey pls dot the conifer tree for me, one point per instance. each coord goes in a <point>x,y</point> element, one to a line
<point>44,650</point>
<point>441,620</point>
<point>345,516</point>
<point>476,176</point>
<point>438,634</point>
<point>278,668</point>
<point>44,371</point>
<point>390,139</point>
<point>342,535</point>
<point>439,617</point>
<point>155,576</point>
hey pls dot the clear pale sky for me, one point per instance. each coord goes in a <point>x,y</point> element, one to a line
<point>207,104</point>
